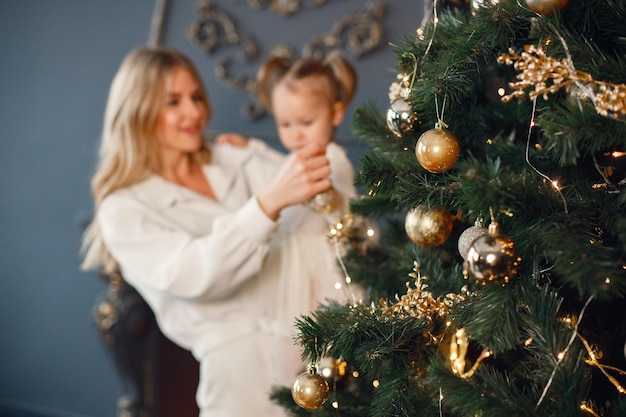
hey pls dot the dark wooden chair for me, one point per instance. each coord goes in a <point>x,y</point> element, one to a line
<point>157,377</point>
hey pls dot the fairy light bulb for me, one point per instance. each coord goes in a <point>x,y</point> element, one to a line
<point>587,409</point>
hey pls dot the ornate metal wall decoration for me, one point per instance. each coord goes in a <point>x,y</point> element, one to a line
<point>359,32</point>
<point>283,7</point>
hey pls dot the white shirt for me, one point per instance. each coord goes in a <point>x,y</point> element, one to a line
<point>196,262</point>
<point>193,259</point>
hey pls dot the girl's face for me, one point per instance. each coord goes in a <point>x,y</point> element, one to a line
<point>304,114</point>
<point>183,115</point>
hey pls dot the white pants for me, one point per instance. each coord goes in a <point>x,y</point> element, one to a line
<point>236,379</point>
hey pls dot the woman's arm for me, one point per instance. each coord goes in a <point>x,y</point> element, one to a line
<point>154,253</point>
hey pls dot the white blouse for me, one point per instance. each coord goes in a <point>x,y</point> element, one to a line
<point>193,259</point>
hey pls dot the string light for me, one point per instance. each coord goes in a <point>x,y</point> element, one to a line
<point>532,124</point>
<point>593,361</point>
<point>440,403</point>
<point>342,232</point>
<point>586,408</point>
<point>561,355</point>
<point>420,31</point>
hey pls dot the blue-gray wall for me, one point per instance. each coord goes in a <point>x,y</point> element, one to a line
<point>57,58</point>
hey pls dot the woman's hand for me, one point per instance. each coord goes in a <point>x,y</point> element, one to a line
<point>303,175</point>
<point>233,139</point>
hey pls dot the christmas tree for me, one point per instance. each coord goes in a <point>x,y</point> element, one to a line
<point>495,174</point>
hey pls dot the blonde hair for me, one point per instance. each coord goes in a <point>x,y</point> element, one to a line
<point>335,68</point>
<point>128,151</point>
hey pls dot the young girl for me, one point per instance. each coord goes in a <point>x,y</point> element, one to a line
<point>308,99</point>
<point>181,226</point>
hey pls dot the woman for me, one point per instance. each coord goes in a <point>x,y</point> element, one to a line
<point>182,227</point>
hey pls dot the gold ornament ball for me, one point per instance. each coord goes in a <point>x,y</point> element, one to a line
<point>310,390</point>
<point>428,228</point>
<point>437,150</point>
<point>492,258</point>
<point>401,118</point>
<point>546,7</point>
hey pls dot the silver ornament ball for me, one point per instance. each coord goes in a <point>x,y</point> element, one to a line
<point>401,119</point>
<point>492,258</point>
<point>323,202</point>
<point>468,237</point>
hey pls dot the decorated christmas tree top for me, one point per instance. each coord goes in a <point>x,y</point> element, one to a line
<point>496,172</point>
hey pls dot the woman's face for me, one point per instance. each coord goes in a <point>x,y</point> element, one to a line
<point>183,115</point>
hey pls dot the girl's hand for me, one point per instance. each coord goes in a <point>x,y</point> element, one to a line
<point>303,175</point>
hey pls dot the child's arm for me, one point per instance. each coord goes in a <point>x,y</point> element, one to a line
<point>253,144</point>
